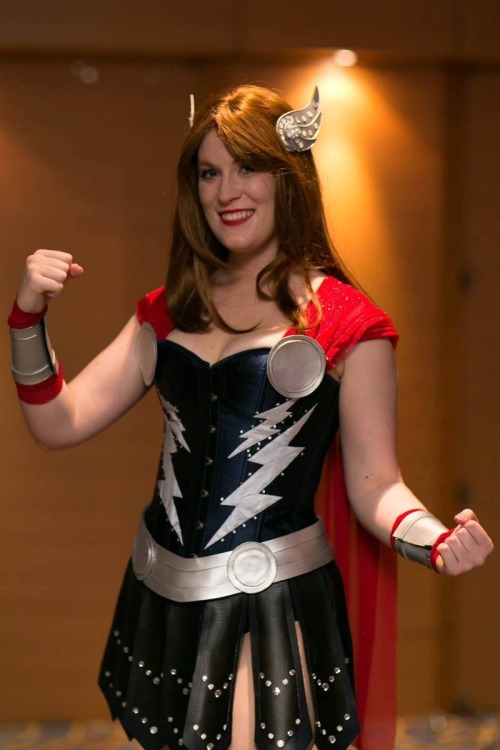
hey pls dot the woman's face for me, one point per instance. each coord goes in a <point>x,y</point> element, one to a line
<point>238,202</point>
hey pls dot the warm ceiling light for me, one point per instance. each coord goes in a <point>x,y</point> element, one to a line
<point>345,58</point>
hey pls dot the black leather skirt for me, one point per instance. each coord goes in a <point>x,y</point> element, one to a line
<point>169,668</point>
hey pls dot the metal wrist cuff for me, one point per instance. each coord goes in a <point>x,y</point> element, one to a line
<point>416,535</point>
<point>33,359</point>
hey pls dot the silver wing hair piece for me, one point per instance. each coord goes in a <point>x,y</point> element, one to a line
<point>299,128</point>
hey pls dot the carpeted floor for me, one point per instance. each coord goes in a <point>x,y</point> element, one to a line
<point>449,732</point>
<point>446,732</point>
<point>440,731</point>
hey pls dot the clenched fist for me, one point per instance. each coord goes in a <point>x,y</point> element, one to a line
<point>465,549</point>
<point>45,275</point>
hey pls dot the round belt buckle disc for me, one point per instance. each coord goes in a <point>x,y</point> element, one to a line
<point>143,556</point>
<point>251,567</point>
<point>296,366</point>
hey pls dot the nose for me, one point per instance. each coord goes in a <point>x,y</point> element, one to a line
<point>229,187</point>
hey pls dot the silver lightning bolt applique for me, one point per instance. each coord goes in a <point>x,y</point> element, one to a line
<point>168,488</point>
<point>273,458</point>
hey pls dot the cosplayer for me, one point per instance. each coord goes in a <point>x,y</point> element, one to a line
<point>231,628</point>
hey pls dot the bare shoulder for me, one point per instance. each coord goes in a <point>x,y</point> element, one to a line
<point>369,360</point>
<point>374,351</point>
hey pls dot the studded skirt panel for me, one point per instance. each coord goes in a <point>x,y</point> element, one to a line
<point>239,463</point>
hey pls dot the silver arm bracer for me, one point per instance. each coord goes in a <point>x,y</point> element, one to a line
<point>33,359</point>
<point>415,536</point>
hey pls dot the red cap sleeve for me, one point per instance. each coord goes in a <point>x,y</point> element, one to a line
<point>349,317</point>
<point>152,309</point>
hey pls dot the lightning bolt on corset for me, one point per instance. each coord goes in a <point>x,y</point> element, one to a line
<point>227,466</point>
<point>249,497</point>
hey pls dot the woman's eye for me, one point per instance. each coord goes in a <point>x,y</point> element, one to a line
<point>247,169</point>
<point>208,173</point>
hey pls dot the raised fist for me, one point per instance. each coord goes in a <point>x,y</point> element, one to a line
<point>465,549</point>
<point>45,274</point>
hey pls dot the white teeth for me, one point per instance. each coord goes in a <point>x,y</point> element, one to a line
<point>236,215</point>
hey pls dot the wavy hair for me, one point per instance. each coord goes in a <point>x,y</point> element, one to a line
<point>245,120</point>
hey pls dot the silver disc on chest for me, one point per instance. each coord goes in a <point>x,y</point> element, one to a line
<point>296,366</point>
<point>146,349</point>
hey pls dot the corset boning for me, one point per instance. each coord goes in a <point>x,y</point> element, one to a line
<point>240,462</point>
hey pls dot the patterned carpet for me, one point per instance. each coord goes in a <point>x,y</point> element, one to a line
<point>441,732</point>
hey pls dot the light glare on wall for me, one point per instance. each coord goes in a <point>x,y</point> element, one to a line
<point>346,58</point>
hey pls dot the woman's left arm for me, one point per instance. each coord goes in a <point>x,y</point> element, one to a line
<point>377,492</point>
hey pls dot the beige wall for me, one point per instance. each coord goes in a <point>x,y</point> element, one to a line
<point>87,168</point>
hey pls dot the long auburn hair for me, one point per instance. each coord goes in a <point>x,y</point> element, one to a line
<point>245,120</point>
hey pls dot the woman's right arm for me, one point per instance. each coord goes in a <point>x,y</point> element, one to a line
<point>103,391</point>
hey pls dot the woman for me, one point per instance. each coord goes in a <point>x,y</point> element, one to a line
<point>231,626</point>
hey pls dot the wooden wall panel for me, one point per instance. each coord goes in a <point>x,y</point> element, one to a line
<point>415,27</point>
<point>421,29</point>
<point>478,621</point>
<point>481,24</point>
<point>148,27</point>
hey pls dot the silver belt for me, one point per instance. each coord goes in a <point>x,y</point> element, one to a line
<point>251,567</point>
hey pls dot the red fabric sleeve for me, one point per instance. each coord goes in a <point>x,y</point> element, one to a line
<point>349,317</point>
<point>152,309</point>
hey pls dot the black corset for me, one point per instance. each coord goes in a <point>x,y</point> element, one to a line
<point>240,462</point>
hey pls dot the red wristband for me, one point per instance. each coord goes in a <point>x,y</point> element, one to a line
<point>398,521</point>
<point>42,393</point>
<point>20,319</point>
<point>434,553</point>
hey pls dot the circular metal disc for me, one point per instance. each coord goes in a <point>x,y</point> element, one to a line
<point>143,556</point>
<point>296,366</point>
<point>146,349</point>
<point>251,567</point>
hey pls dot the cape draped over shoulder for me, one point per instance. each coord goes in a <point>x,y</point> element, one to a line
<point>368,567</point>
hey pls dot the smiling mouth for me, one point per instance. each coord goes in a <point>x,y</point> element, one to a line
<point>233,218</point>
